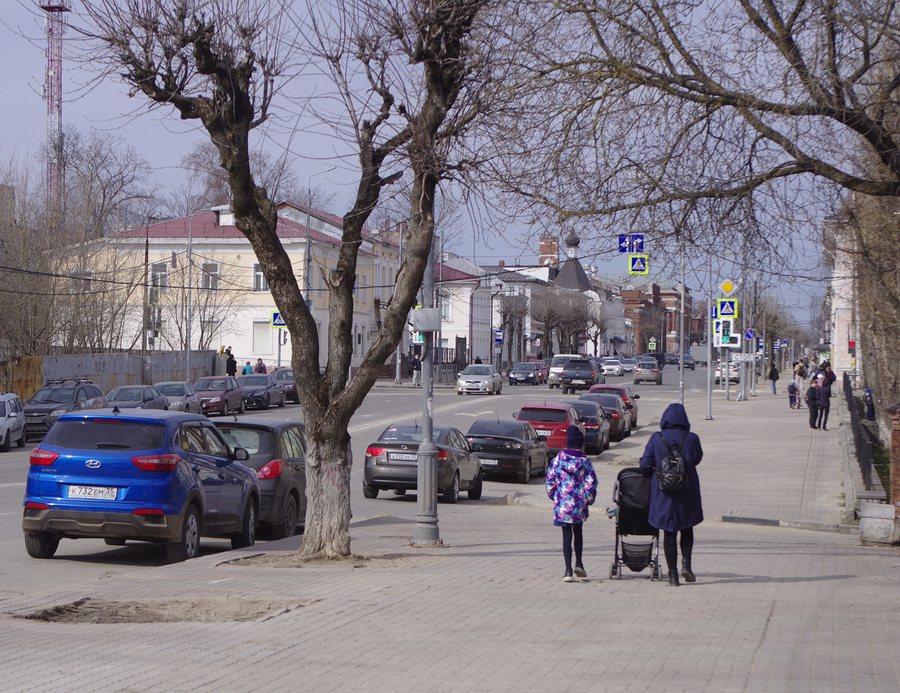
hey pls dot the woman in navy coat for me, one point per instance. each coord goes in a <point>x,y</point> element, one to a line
<point>677,511</point>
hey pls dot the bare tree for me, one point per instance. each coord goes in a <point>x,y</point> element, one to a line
<point>565,315</point>
<point>739,120</point>
<point>513,311</point>
<point>218,61</point>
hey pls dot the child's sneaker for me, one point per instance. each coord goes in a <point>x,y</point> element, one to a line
<point>580,572</point>
<point>568,576</point>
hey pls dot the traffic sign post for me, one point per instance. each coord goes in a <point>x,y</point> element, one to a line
<point>638,264</point>
<point>651,345</point>
<point>728,308</point>
<point>631,242</point>
<point>277,321</point>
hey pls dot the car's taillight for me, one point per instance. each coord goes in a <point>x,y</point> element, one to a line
<point>592,425</point>
<point>42,458</point>
<point>375,452</point>
<point>147,511</point>
<point>157,463</point>
<point>615,414</point>
<point>443,455</point>
<point>37,506</point>
<point>270,470</point>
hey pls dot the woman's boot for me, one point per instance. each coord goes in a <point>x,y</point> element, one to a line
<point>673,578</point>
<point>686,572</point>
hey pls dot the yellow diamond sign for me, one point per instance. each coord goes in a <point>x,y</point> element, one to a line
<point>727,287</point>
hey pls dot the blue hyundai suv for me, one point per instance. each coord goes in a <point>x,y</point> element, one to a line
<point>148,475</point>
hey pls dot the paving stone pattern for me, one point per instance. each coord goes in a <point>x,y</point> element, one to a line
<point>774,609</point>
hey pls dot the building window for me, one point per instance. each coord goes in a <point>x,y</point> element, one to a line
<point>159,275</point>
<point>259,279</point>
<point>321,284</point>
<point>209,331</point>
<point>262,338</point>
<point>446,309</point>
<point>210,276</point>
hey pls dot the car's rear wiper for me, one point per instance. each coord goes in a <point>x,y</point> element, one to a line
<point>113,446</point>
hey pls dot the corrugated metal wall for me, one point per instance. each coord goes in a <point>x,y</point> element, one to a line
<point>25,376</point>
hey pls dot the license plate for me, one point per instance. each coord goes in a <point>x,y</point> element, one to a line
<point>579,382</point>
<point>32,420</point>
<point>542,433</point>
<point>404,457</point>
<point>94,492</point>
<point>489,463</point>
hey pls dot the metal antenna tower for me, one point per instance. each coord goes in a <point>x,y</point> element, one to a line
<point>56,26</point>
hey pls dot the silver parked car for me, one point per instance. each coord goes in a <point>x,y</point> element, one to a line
<point>136,397</point>
<point>479,378</point>
<point>181,395</point>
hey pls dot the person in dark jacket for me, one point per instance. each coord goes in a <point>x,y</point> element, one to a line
<point>824,403</point>
<point>812,401</point>
<point>677,511</point>
<point>870,404</point>
<point>572,486</point>
<point>773,376</point>
<point>230,363</point>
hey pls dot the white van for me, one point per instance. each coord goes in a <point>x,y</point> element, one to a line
<point>556,366</point>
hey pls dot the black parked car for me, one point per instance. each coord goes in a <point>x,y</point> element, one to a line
<point>579,374</point>
<point>618,413</point>
<point>137,397</point>
<point>392,463</point>
<point>262,390</point>
<point>285,376</point>
<point>525,373</point>
<point>596,425</point>
<point>277,452</point>
<point>57,397</point>
<point>509,447</point>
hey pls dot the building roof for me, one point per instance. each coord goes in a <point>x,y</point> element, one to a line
<point>572,276</point>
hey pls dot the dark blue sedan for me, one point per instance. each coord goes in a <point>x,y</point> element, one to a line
<point>159,476</point>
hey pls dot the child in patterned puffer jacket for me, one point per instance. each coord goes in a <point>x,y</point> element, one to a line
<point>572,486</point>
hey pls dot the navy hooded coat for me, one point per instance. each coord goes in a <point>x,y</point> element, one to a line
<point>673,512</point>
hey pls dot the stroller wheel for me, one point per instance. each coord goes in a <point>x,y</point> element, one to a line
<point>655,574</point>
<point>613,570</point>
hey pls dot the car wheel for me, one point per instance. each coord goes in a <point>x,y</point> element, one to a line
<point>606,443</point>
<point>247,537</point>
<point>225,408</point>
<point>399,492</point>
<point>500,390</point>
<point>114,541</point>
<point>459,393</point>
<point>243,407</point>
<point>22,440</point>
<point>266,403</point>
<point>288,525</point>
<point>627,433</point>
<point>189,545</point>
<point>525,475</point>
<point>41,544</point>
<point>283,401</point>
<point>4,446</point>
<point>546,465</point>
<point>451,495</point>
<point>370,492</point>
<point>475,491</point>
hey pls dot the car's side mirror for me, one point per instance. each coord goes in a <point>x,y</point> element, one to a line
<point>637,397</point>
<point>241,455</point>
<point>630,406</point>
<point>609,415</point>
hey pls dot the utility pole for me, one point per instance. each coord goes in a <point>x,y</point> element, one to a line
<point>709,345</point>
<point>52,92</point>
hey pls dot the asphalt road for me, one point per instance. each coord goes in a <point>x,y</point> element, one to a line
<point>83,559</point>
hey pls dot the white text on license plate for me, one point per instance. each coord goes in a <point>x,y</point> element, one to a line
<point>94,492</point>
<point>542,433</point>
<point>489,463</point>
<point>404,457</point>
<point>579,382</point>
<point>33,420</point>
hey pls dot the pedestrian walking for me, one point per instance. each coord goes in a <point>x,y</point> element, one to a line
<point>675,511</point>
<point>572,486</point>
<point>870,404</point>
<point>773,376</point>
<point>824,403</point>
<point>247,370</point>
<point>812,401</point>
<point>792,394</point>
<point>416,366</point>
<point>260,366</point>
<point>230,363</point>
<point>830,376</point>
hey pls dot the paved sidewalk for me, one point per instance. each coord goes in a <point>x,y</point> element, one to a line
<point>774,608</point>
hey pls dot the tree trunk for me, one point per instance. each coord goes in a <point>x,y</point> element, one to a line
<point>328,465</point>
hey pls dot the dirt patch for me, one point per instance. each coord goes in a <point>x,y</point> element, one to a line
<point>213,609</point>
<point>356,561</point>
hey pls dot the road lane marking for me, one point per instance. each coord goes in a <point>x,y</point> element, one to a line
<point>5,485</point>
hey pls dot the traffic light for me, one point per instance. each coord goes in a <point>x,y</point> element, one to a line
<point>852,348</point>
<point>726,331</point>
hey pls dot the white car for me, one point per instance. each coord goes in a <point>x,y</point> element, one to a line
<point>734,372</point>
<point>613,367</point>
<point>12,420</point>
<point>479,378</point>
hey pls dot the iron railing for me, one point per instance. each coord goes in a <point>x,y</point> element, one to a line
<point>862,437</point>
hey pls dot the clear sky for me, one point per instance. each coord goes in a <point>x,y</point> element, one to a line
<point>162,139</point>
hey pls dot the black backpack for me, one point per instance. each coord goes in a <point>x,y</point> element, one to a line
<point>671,470</point>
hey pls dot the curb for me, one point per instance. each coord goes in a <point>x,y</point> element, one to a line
<point>793,524</point>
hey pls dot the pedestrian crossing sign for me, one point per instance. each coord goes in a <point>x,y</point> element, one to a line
<point>638,264</point>
<point>277,320</point>
<point>728,308</point>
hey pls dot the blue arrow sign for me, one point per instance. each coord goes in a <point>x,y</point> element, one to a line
<point>714,312</point>
<point>636,243</point>
<point>623,242</point>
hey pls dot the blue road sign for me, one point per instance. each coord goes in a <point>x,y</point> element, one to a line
<point>277,320</point>
<point>631,242</point>
<point>714,312</point>
<point>498,336</point>
<point>728,308</point>
<point>638,264</point>
<point>749,333</point>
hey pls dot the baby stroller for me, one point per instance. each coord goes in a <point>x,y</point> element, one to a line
<point>631,494</point>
